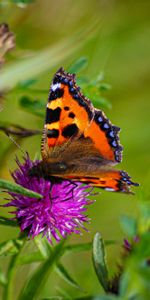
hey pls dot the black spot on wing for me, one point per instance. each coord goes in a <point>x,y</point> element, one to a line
<point>58,93</point>
<point>71,115</point>
<point>52,133</point>
<point>70,130</point>
<point>52,115</point>
<point>66,108</point>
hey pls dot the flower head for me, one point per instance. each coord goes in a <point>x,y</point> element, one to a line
<point>61,210</point>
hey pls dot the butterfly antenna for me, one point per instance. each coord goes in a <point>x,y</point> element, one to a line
<point>15,143</point>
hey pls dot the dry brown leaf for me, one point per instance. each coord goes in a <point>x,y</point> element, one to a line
<point>7,41</point>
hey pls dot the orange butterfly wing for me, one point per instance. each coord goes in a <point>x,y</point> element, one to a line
<point>68,113</point>
<point>105,137</point>
<point>79,143</point>
<point>110,180</point>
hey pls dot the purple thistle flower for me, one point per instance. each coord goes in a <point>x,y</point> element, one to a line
<point>61,210</point>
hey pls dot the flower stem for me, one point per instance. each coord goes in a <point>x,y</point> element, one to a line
<point>8,292</point>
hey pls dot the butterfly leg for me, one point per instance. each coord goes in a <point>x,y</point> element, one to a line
<point>75,185</point>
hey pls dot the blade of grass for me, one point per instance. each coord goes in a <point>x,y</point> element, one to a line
<point>78,65</point>
<point>29,258</point>
<point>3,279</point>
<point>66,276</point>
<point>84,247</point>
<point>46,59</point>
<point>34,285</point>
<point>8,222</point>
<point>16,188</point>
<point>9,287</point>
<point>10,247</point>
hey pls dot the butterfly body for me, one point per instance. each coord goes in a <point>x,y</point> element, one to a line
<point>79,143</point>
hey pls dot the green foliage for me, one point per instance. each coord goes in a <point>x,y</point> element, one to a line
<point>35,107</point>
<point>36,282</point>
<point>37,64</point>
<point>7,222</point>
<point>129,225</point>
<point>10,247</point>
<point>19,2</point>
<point>94,88</point>
<point>25,69</point>
<point>62,271</point>
<point>79,65</point>
<point>16,188</point>
<point>134,282</point>
<point>3,279</point>
<point>48,257</point>
<point>26,84</point>
<point>99,261</point>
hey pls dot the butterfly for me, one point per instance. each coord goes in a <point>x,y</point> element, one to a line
<point>79,142</point>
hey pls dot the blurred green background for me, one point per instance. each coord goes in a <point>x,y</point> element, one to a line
<point>115,36</point>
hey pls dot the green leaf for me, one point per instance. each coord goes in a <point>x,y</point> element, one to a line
<point>10,247</point>
<point>24,84</point>
<point>16,188</point>
<point>135,280</point>
<point>79,65</point>
<point>30,258</point>
<point>108,297</point>
<point>54,298</point>
<point>103,297</point>
<point>78,247</point>
<point>43,246</point>
<point>66,276</point>
<point>8,222</point>
<point>11,272</point>
<point>46,250</point>
<point>35,107</point>
<point>3,279</point>
<point>99,261</point>
<point>34,285</point>
<point>48,58</point>
<point>104,87</point>
<point>129,225</point>
<point>101,102</point>
<point>142,249</point>
<point>84,247</point>
<point>22,3</point>
<point>93,91</point>
<point>124,283</point>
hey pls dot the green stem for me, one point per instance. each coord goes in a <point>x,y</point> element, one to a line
<point>9,287</point>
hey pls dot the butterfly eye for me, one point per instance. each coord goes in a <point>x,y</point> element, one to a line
<point>62,166</point>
